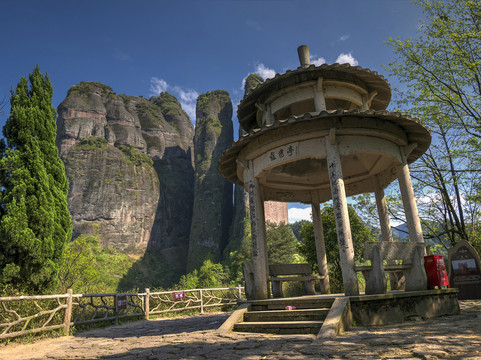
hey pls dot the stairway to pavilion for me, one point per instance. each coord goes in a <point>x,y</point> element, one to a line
<point>271,316</point>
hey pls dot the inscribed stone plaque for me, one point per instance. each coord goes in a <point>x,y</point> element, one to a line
<point>465,270</point>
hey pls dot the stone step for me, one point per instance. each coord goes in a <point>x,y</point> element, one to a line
<point>280,304</point>
<point>280,327</point>
<point>286,315</point>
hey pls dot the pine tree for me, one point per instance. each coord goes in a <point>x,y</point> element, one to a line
<point>35,223</point>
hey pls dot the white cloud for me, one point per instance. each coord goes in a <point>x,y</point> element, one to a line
<point>261,70</point>
<point>157,86</point>
<point>298,214</point>
<point>344,38</point>
<point>265,72</point>
<point>243,86</point>
<point>318,62</point>
<point>186,97</point>
<point>188,100</point>
<point>346,58</point>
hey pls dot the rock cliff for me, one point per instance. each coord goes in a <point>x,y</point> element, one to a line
<point>129,162</point>
<point>171,148</point>
<point>213,210</point>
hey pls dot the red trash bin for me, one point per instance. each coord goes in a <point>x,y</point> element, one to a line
<point>436,272</point>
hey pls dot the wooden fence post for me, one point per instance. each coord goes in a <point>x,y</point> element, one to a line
<point>201,302</point>
<point>147,303</point>
<point>239,293</point>
<point>116,311</point>
<point>68,312</point>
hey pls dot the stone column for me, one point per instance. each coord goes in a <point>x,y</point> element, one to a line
<point>344,237</point>
<point>258,234</point>
<point>382,211</point>
<point>409,203</point>
<point>386,233</point>
<point>320,248</point>
<point>319,100</point>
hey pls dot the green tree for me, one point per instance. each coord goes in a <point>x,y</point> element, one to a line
<point>360,234</point>
<point>281,244</point>
<point>296,228</point>
<point>210,275</point>
<point>79,271</point>
<point>281,248</point>
<point>35,224</point>
<point>441,72</point>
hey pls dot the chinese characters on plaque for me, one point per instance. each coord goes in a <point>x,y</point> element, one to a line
<point>283,152</point>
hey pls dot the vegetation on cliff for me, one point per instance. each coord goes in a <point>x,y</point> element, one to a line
<point>87,88</point>
<point>169,106</point>
<point>35,223</point>
<point>134,156</point>
<point>147,109</point>
<point>91,143</point>
<point>251,82</point>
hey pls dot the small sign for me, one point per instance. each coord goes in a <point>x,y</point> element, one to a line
<point>121,302</point>
<point>465,270</point>
<point>178,295</point>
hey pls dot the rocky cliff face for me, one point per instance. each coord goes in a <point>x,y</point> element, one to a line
<point>129,162</point>
<point>121,209</point>
<point>212,213</point>
<point>171,148</point>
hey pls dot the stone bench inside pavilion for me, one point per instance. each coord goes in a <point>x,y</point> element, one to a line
<point>280,273</point>
<point>393,257</point>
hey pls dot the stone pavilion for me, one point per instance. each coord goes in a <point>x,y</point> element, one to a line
<point>319,133</point>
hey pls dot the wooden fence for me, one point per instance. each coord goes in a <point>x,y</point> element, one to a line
<point>22,315</point>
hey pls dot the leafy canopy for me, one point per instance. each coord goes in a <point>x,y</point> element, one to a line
<point>360,234</point>
<point>441,71</point>
<point>35,223</point>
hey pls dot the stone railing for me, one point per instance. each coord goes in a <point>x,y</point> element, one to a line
<point>23,315</point>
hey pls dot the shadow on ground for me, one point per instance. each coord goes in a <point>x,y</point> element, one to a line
<point>242,349</point>
<point>164,326</point>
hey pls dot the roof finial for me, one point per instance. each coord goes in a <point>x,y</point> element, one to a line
<point>304,58</point>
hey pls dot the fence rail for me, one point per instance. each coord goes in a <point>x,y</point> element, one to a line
<point>24,315</point>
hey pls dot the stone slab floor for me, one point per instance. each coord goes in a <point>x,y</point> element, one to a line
<point>451,337</point>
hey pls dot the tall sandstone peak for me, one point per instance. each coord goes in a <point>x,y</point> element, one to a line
<point>129,162</point>
<point>213,210</point>
<point>240,226</point>
<point>174,167</point>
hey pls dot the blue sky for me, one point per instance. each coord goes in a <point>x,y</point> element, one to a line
<point>190,47</point>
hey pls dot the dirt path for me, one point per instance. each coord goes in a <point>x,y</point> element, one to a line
<point>453,337</point>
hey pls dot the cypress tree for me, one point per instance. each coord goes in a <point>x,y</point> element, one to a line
<point>35,223</point>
